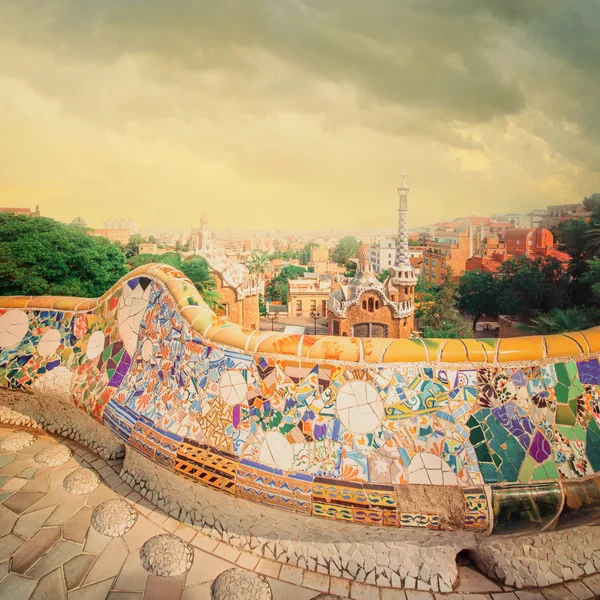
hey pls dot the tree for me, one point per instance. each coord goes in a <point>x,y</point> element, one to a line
<point>478,292</point>
<point>383,276</point>
<point>196,268</point>
<point>277,290</point>
<point>131,247</point>
<point>441,318</point>
<point>259,263</point>
<point>40,256</point>
<point>347,248</point>
<point>560,320</point>
<point>262,307</point>
<point>528,285</point>
<point>78,222</point>
<point>592,203</point>
<point>305,259</point>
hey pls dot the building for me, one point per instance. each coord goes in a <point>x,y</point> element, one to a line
<point>319,254</point>
<point>114,235</point>
<point>449,251</point>
<point>320,263</point>
<point>307,294</point>
<point>531,242</point>
<point>120,224</point>
<point>382,255</point>
<point>239,290</point>
<point>153,249</point>
<point>22,211</point>
<point>558,213</point>
<point>365,307</point>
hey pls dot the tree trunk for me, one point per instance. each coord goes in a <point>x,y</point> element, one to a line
<point>475,320</point>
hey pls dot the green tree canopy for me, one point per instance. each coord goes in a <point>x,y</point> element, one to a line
<point>305,259</point>
<point>195,268</point>
<point>383,275</point>
<point>523,286</point>
<point>277,290</point>
<point>259,262</point>
<point>40,256</point>
<point>479,294</point>
<point>441,318</point>
<point>347,248</point>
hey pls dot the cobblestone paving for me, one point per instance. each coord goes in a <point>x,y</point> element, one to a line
<point>48,550</point>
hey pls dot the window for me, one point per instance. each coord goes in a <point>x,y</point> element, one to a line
<point>313,305</point>
<point>433,263</point>
<point>370,304</point>
<point>406,290</point>
<point>376,304</point>
<point>336,328</point>
<point>298,306</point>
<point>323,308</point>
<point>426,261</point>
<point>364,305</point>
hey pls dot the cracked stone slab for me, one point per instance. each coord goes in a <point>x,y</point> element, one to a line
<point>238,584</point>
<point>113,517</point>
<point>81,481</point>
<point>166,555</point>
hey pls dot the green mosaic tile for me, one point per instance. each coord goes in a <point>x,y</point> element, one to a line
<point>527,469</point>
<point>565,416</point>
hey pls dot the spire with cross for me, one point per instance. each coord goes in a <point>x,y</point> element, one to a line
<point>402,258</point>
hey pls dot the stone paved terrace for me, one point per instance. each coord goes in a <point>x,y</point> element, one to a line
<point>50,550</point>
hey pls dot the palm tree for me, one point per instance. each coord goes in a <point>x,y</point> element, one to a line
<point>559,320</point>
<point>78,222</point>
<point>592,241</point>
<point>259,263</point>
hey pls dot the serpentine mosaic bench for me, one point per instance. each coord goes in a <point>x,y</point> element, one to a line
<point>373,459</point>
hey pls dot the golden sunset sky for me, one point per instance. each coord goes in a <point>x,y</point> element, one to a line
<point>297,113</point>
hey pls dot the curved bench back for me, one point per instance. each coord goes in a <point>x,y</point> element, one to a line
<point>442,434</point>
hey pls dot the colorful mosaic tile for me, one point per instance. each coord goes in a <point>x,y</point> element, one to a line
<point>316,436</point>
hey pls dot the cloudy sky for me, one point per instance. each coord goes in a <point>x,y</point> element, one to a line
<point>293,114</point>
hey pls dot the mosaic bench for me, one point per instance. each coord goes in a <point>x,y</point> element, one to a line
<point>373,459</point>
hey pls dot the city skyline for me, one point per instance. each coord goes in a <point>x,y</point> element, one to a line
<point>161,114</point>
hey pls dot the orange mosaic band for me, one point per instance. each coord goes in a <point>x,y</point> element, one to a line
<point>348,349</point>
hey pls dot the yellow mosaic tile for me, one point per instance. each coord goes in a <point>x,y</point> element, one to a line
<point>280,343</point>
<point>374,348</point>
<point>231,335</point>
<point>335,348</point>
<point>578,338</point>
<point>561,345</point>
<point>454,351</point>
<point>66,303</point>
<point>406,350</point>
<point>593,338</point>
<point>521,348</point>
<point>476,351</point>
<point>14,301</point>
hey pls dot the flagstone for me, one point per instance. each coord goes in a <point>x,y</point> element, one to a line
<point>34,549</point>
<point>50,587</point>
<point>77,568</point>
<point>59,555</point>
<point>29,523</point>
